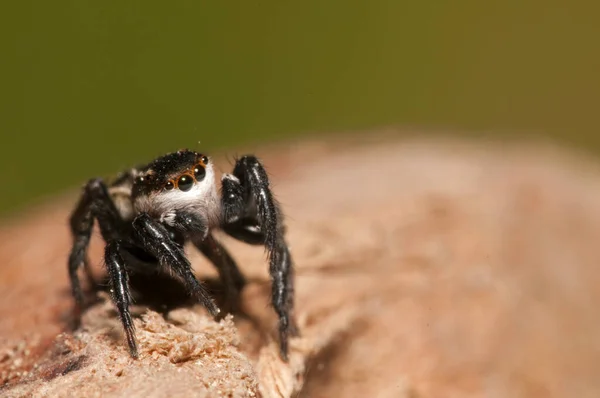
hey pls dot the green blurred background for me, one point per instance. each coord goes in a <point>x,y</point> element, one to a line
<point>91,87</point>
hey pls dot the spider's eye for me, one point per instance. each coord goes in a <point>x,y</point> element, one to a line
<point>199,172</point>
<point>185,183</point>
<point>169,185</point>
<point>204,159</point>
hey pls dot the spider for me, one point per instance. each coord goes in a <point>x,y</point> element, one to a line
<point>147,215</point>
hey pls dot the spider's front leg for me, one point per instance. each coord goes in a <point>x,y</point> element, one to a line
<point>196,228</point>
<point>156,240</point>
<point>231,277</point>
<point>252,215</point>
<point>95,203</point>
<point>121,296</point>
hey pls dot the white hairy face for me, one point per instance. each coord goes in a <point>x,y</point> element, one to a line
<point>202,198</point>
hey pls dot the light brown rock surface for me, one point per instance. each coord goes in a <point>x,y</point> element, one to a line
<point>423,270</point>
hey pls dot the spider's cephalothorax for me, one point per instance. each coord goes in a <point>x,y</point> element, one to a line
<point>148,213</point>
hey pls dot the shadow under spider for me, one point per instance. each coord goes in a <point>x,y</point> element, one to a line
<point>161,293</point>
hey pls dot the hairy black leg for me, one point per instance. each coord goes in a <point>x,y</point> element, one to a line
<point>120,291</point>
<point>82,223</point>
<point>282,276</point>
<point>155,239</point>
<point>247,230</point>
<point>95,203</point>
<point>195,227</point>
<point>230,275</point>
<point>246,194</point>
<point>233,198</point>
<point>87,266</point>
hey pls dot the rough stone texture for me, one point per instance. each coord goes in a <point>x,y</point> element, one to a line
<point>424,269</point>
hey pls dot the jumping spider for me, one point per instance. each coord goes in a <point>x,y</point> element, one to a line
<point>147,215</point>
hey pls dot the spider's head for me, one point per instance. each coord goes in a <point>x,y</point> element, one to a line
<point>182,180</point>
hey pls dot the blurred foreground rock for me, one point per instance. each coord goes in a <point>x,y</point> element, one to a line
<point>424,269</point>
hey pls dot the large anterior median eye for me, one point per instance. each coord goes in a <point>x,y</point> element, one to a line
<point>185,183</point>
<point>199,172</point>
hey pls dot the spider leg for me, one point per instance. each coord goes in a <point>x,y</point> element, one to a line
<point>120,291</point>
<point>246,195</point>
<point>248,230</point>
<point>95,203</point>
<point>197,230</point>
<point>156,240</point>
<point>228,270</point>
